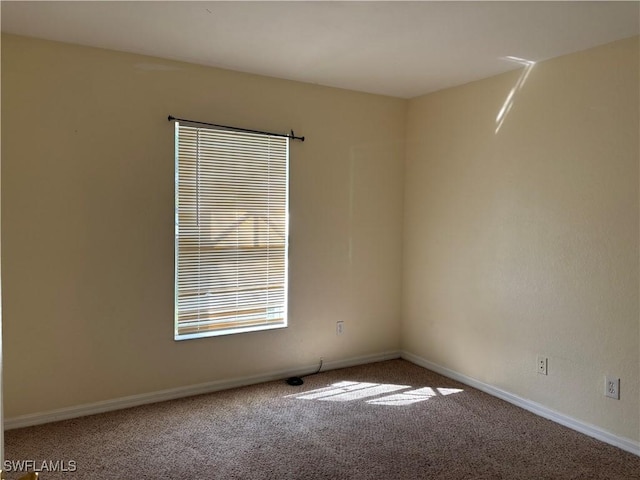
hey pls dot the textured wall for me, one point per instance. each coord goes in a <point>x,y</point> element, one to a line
<point>87,223</point>
<point>523,240</point>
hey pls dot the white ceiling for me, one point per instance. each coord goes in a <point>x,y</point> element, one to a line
<point>399,48</point>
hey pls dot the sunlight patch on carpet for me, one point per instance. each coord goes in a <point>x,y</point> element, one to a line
<point>413,396</point>
<point>387,393</point>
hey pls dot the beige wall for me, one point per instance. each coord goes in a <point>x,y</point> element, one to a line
<point>525,241</point>
<point>87,223</point>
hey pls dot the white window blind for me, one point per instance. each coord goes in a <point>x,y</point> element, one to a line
<point>231,231</point>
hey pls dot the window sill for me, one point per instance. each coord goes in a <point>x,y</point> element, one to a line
<point>229,331</point>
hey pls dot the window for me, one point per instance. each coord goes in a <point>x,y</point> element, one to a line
<point>231,231</point>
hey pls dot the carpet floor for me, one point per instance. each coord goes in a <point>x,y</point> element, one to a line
<point>389,420</point>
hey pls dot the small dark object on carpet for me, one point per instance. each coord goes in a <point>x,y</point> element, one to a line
<point>295,381</point>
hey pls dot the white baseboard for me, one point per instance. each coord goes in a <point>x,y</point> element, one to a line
<point>626,444</point>
<point>352,362</point>
<point>186,391</point>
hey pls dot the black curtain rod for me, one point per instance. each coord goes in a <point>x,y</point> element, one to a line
<point>238,129</point>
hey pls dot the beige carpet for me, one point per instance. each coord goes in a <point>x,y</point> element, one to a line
<point>383,421</point>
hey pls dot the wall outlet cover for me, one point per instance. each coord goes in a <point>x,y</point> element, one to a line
<point>542,365</point>
<point>612,387</point>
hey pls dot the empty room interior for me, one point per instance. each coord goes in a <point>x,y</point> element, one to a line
<point>466,199</point>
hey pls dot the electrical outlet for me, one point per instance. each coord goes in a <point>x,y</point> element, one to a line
<point>542,365</point>
<point>339,327</point>
<point>612,387</point>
